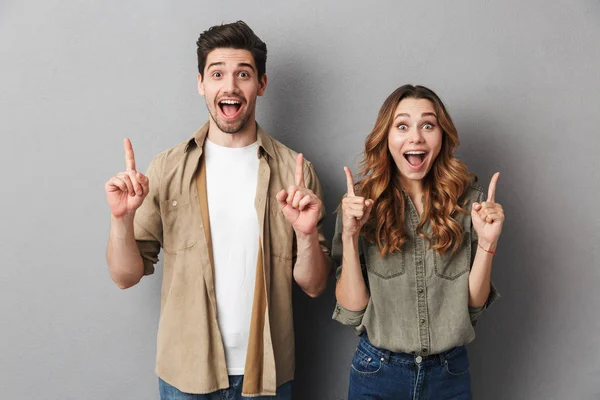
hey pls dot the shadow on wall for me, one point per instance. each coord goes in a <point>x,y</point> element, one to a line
<point>505,331</point>
<point>324,348</point>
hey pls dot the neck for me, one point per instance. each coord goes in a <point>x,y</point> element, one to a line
<point>414,188</point>
<point>242,138</point>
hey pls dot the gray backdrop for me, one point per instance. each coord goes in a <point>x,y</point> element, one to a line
<point>520,79</point>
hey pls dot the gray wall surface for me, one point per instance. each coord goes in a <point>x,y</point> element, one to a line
<point>520,78</point>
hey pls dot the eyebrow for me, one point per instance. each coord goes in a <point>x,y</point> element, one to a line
<point>427,114</point>
<point>221,63</point>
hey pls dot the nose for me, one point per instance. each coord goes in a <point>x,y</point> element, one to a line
<point>230,84</point>
<point>416,136</point>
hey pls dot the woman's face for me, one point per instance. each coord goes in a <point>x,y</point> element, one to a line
<point>415,138</point>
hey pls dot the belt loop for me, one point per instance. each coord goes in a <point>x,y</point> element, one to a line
<point>442,359</point>
<point>385,356</point>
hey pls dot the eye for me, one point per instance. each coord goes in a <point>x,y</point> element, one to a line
<point>244,74</point>
<point>428,126</point>
<point>216,74</point>
<point>402,127</point>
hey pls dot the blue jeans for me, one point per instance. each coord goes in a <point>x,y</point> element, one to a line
<point>233,392</point>
<point>381,374</point>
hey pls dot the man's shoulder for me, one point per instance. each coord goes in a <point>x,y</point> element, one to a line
<point>282,153</point>
<point>173,155</point>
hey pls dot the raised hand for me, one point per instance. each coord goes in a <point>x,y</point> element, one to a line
<point>355,209</point>
<point>126,191</point>
<point>300,205</point>
<point>488,217</point>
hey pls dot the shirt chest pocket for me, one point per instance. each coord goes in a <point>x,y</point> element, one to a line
<point>451,265</point>
<point>387,267</point>
<point>178,224</point>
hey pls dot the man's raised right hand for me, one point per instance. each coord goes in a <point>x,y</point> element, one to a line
<point>126,191</point>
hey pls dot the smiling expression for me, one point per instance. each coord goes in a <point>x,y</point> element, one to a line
<point>415,138</point>
<point>230,85</point>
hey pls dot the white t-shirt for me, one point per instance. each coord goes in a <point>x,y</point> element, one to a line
<point>231,177</point>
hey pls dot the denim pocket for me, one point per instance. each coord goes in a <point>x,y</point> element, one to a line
<point>387,267</point>
<point>452,264</point>
<point>457,364</point>
<point>365,364</point>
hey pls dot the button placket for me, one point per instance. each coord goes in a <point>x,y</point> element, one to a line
<point>419,246</point>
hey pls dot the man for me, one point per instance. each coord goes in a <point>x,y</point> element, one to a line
<point>232,236</point>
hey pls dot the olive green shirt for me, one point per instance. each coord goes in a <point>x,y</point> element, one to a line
<point>190,354</point>
<point>418,298</point>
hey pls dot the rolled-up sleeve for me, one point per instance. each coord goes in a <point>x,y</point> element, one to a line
<point>475,312</point>
<point>147,223</point>
<point>348,317</point>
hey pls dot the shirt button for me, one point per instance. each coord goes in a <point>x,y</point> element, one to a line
<point>420,290</point>
<point>174,203</point>
<point>424,350</point>
<point>419,359</point>
<point>422,321</point>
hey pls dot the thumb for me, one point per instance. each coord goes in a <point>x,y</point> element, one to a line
<point>476,207</point>
<point>369,204</point>
<point>281,197</point>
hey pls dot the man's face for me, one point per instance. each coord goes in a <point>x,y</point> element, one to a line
<point>230,85</point>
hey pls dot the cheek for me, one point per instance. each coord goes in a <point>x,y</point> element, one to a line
<point>436,145</point>
<point>395,147</point>
<point>395,143</point>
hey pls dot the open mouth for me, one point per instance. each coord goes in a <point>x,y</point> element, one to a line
<point>230,107</point>
<point>415,158</point>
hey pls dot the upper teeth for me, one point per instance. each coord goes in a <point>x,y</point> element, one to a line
<point>415,152</point>
<point>230,102</point>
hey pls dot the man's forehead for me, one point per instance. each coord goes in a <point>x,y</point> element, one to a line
<point>229,56</point>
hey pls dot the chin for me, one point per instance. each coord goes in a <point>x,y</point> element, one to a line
<point>233,127</point>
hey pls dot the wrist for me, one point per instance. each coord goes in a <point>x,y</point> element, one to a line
<point>123,221</point>
<point>303,236</point>
<point>488,246</point>
<point>349,238</point>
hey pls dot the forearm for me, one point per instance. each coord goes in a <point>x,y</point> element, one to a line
<point>480,275</point>
<point>351,290</point>
<point>124,260</point>
<point>312,267</point>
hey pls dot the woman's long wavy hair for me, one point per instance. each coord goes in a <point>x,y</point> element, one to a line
<point>444,184</point>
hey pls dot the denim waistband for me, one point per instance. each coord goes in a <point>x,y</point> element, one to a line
<point>388,356</point>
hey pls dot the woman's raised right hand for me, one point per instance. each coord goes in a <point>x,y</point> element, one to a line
<point>355,209</point>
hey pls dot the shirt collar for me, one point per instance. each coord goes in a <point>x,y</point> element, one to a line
<point>264,142</point>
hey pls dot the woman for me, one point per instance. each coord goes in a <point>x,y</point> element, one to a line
<point>415,240</point>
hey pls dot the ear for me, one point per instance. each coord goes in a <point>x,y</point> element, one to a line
<point>262,85</point>
<point>200,85</point>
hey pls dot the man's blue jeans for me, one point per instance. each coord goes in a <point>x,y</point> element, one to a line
<point>234,392</point>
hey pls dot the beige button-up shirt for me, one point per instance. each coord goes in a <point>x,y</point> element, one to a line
<point>190,354</point>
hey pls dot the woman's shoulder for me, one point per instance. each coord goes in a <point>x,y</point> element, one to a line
<point>474,191</point>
